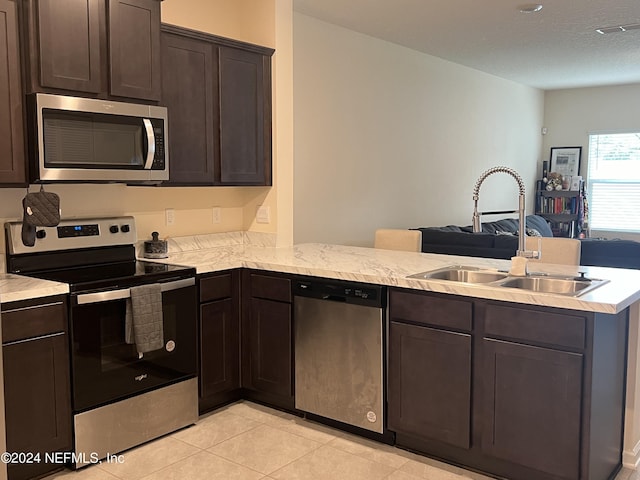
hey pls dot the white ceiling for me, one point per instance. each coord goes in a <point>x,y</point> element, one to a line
<point>557,47</point>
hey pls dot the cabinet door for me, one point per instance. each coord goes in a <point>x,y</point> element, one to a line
<point>37,400</point>
<point>270,347</point>
<point>69,44</point>
<point>532,407</point>
<point>430,383</point>
<point>12,159</point>
<point>245,118</point>
<point>219,348</point>
<point>134,48</point>
<point>190,92</point>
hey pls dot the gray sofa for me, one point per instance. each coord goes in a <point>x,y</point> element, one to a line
<point>499,239</point>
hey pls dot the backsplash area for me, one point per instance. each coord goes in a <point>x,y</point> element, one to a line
<point>192,209</point>
<point>212,240</point>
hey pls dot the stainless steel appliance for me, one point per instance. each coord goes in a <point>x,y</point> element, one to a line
<point>120,398</point>
<point>89,140</point>
<point>339,351</point>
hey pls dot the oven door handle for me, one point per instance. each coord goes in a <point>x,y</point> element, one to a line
<point>98,297</point>
<point>176,284</point>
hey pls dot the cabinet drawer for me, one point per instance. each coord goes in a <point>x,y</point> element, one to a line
<point>431,310</point>
<point>215,287</point>
<point>20,322</point>
<point>537,326</point>
<point>271,287</point>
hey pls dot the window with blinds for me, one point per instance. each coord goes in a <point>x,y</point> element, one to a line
<point>614,182</point>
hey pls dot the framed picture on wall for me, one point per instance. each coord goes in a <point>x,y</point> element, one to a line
<point>565,161</point>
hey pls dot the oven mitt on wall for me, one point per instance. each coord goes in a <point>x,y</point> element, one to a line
<point>40,209</point>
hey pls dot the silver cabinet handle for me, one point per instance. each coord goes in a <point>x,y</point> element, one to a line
<point>33,339</point>
<point>41,305</point>
<point>151,143</point>
<point>97,297</point>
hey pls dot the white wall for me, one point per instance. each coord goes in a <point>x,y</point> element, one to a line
<point>389,137</point>
<point>571,115</point>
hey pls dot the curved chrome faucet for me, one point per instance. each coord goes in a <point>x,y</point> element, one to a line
<point>477,227</point>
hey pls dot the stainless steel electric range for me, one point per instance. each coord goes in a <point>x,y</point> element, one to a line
<point>121,398</point>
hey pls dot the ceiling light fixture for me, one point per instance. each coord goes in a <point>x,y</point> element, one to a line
<point>530,8</point>
<point>618,29</point>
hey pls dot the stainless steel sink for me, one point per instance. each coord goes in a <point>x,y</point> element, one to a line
<point>550,284</point>
<point>540,283</point>
<point>460,273</point>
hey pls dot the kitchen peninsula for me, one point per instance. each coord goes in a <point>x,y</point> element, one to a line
<point>359,264</point>
<point>516,345</point>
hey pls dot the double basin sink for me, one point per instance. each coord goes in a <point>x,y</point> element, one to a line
<point>541,283</point>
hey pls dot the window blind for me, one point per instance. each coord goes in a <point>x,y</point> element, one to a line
<point>613,182</point>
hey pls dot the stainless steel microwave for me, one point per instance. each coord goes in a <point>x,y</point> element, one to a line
<point>88,140</point>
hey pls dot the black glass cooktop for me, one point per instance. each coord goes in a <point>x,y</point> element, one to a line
<point>95,268</point>
<point>117,274</point>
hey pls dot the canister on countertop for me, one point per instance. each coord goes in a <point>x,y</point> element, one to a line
<point>155,248</point>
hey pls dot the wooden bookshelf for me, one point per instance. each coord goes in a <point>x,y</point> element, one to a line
<point>563,209</point>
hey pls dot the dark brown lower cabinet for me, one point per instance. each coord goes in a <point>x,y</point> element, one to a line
<point>37,390</point>
<point>267,339</point>
<point>430,383</point>
<point>532,409</point>
<point>546,385</point>
<point>249,354</point>
<point>219,339</point>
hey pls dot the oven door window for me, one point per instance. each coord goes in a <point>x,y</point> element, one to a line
<point>106,368</point>
<point>93,140</point>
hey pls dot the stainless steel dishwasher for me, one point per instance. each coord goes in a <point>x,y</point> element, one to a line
<point>339,351</point>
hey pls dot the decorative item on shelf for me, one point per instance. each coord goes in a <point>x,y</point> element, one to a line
<point>576,183</point>
<point>553,181</point>
<point>565,160</point>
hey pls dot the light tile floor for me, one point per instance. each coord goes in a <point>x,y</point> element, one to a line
<point>246,441</point>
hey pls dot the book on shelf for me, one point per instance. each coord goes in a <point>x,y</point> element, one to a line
<point>558,205</point>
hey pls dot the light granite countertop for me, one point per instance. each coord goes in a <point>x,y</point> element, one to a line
<point>369,265</point>
<point>18,287</point>
<point>386,267</point>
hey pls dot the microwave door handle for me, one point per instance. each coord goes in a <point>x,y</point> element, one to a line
<point>98,297</point>
<point>151,143</point>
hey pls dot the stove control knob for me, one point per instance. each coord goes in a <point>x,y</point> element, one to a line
<point>125,228</point>
<point>41,234</point>
<point>114,229</point>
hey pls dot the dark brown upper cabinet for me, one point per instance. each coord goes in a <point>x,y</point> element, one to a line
<point>99,48</point>
<point>218,92</point>
<point>190,91</point>
<point>245,117</point>
<point>12,151</point>
<point>134,48</point>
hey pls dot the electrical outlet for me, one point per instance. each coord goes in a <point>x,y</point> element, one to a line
<point>263,215</point>
<point>216,215</point>
<point>169,216</point>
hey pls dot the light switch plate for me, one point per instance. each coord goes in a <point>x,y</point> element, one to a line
<point>263,215</point>
<point>169,216</point>
<point>216,215</point>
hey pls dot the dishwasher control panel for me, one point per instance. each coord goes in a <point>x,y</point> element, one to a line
<point>338,291</point>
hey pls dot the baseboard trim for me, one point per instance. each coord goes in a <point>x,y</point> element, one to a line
<point>631,458</point>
